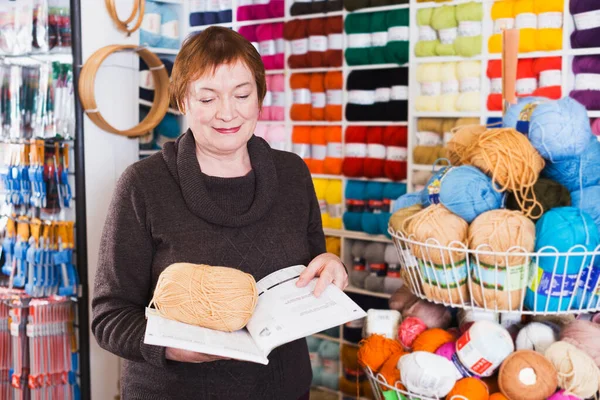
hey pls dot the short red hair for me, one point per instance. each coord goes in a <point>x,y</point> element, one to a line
<point>206,51</point>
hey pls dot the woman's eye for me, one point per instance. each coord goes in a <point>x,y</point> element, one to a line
<point>243,97</point>
<point>206,101</point>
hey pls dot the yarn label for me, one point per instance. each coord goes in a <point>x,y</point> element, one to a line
<point>334,150</point>
<point>408,259</point>
<point>526,86</point>
<point>398,34</point>
<point>501,278</point>
<point>334,41</point>
<point>469,85</point>
<point>301,96</point>
<point>399,93</point>
<point>278,99</point>
<point>587,82</point>
<point>170,29</point>
<point>245,3</point>
<point>592,284</point>
<point>353,205</point>
<point>427,138</point>
<point>268,101</point>
<point>317,43</point>
<point>503,23</point>
<point>378,269</point>
<point>358,264</point>
<point>449,87</point>
<point>279,46</point>
<point>315,359</point>
<point>393,270</point>
<point>525,117</point>
<point>146,80</point>
<point>151,23</point>
<point>448,35</point>
<point>255,44</point>
<point>427,33</point>
<point>197,6</point>
<point>543,283</point>
<point>551,77</point>
<point>496,85</point>
<point>383,95</point>
<point>587,20</point>
<point>376,151</point>
<point>334,210</point>
<point>331,366</point>
<point>318,99</point>
<point>356,150</point>
<point>374,206</point>
<point>396,153</point>
<point>359,40</point>
<point>550,20</point>
<point>431,88</point>
<point>301,149</point>
<point>526,21</point>
<point>379,39</point>
<point>322,206</point>
<point>469,28</point>
<point>267,48</point>
<point>444,276</point>
<point>447,137</point>
<point>299,46</point>
<point>318,152</point>
<point>334,97</point>
<point>361,97</point>
<point>261,2</point>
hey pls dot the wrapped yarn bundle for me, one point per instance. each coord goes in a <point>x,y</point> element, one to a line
<point>409,330</point>
<point>527,375</point>
<point>420,366</point>
<point>444,272</point>
<point>483,347</point>
<point>217,298</point>
<point>550,194</point>
<point>398,217</point>
<point>537,336</point>
<point>498,281</point>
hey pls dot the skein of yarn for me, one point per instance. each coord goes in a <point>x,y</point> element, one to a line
<point>463,137</point>
<point>483,347</point>
<point>550,194</point>
<point>374,255</point>
<point>219,298</point>
<point>469,389</point>
<point>587,29</point>
<point>375,350</point>
<point>431,340</point>
<point>577,372</point>
<point>419,368</point>
<point>527,375</point>
<point>537,336</point>
<point>409,330</point>
<point>433,315</point>
<point>583,335</point>
<point>359,271</point>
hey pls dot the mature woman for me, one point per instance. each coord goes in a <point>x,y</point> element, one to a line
<point>219,196</point>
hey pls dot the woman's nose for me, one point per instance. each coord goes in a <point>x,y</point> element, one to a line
<point>226,110</point>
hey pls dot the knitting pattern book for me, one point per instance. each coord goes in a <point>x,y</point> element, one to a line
<point>284,313</point>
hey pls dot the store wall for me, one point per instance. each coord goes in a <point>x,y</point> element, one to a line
<point>106,155</point>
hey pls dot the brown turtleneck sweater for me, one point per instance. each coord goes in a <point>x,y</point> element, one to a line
<point>165,210</point>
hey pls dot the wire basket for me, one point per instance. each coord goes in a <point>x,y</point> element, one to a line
<point>540,283</point>
<point>379,386</point>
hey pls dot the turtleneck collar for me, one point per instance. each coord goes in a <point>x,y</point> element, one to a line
<point>180,157</point>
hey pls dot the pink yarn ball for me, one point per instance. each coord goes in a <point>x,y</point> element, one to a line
<point>561,396</point>
<point>447,350</point>
<point>409,329</point>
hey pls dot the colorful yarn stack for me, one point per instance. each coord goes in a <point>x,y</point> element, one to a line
<point>550,23</point>
<point>469,40</point>
<point>150,28</point>
<point>276,135</point>
<point>503,15</point>
<point>268,40</point>
<point>498,281</point>
<point>549,74</point>
<point>160,26</point>
<point>587,26</point>
<point>527,375</point>
<point>526,82</point>
<point>333,204</point>
<point>374,256</point>
<point>428,37</point>
<point>393,280</point>
<point>494,73</point>
<point>248,10</point>
<point>429,137</point>
<point>301,143</point>
<point>296,32</point>
<point>396,49</point>
<point>358,274</point>
<point>429,78</point>
<point>315,359</point>
<point>587,81</point>
<point>352,5</point>
<point>334,83</point>
<point>469,74</point>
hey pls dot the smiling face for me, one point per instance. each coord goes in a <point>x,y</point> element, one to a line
<point>223,108</point>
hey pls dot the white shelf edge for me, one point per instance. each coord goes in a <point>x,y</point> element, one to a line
<point>447,114</point>
<point>428,168</point>
<point>260,21</point>
<point>352,289</point>
<point>431,4</point>
<point>594,114</point>
<point>344,233</point>
<point>199,28</point>
<point>178,2</point>
<point>149,104</point>
<point>327,176</point>
<point>274,71</point>
<point>315,70</point>
<point>160,50</point>
<point>381,8</point>
<point>326,337</point>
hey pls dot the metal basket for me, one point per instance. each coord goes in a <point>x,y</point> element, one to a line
<point>515,281</point>
<point>379,385</point>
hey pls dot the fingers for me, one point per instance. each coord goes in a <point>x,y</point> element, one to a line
<point>309,273</point>
<point>324,280</point>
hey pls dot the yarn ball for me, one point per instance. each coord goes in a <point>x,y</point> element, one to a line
<point>583,335</point>
<point>550,194</point>
<point>406,200</point>
<point>464,190</point>
<point>431,340</point>
<point>498,396</point>
<point>560,395</point>
<point>433,315</point>
<point>409,330</point>
<point>398,217</point>
<point>558,129</point>
<point>390,371</point>
<point>578,374</point>
<point>419,368</point>
<point>218,298</point>
<point>527,375</point>
<point>576,172</point>
<point>447,350</point>
<point>464,136</point>
<point>469,388</point>
<point>536,336</point>
<point>375,350</point>
<point>586,199</point>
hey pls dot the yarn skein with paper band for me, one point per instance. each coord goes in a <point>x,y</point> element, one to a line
<point>355,151</point>
<point>355,195</point>
<point>536,336</point>
<point>560,395</point>
<point>517,170</point>
<point>427,374</point>
<point>374,204</point>
<point>449,89</point>
<point>266,45</point>
<point>586,15</point>
<point>483,347</point>
<point>527,375</point>
<point>317,41</point>
<point>277,136</point>
<point>317,96</point>
<point>397,47</point>
<point>334,159</point>
<point>587,81</point>
<point>549,24</point>
<point>583,335</point>
<point>391,192</point>
<point>469,41</point>
<point>212,297</point>
<point>320,186</point>
<point>526,82</point>
<point>578,172</point>
<point>549,194</point>
<point>431,340</point>
<point>374,351</point>
<point>443,20</point>
<point>301,143</point>
<point>428,38</point>
<point>375,160</point>
<point>334,55</point>
<point>359,272</point>
<point>469,73</point>
<point>301,108</point>
<point>429,77</point>
<point>395,139</point>
<point>503,15</point>
<point>150,27</point>
<point>560,229</point>
<point>278,97</point>
<point>359,39</point>
<point>469,389</point>
<point>169,27</point>
<point>393,279</point>
<point>374,256</point>
<point>577,372</point>
<point>408,331</point>
<point>333,245</point>
<point>549,73</point>
<point>295,31</point>
<point>526,21</point>
<point>379,37</point>
<point>330,355</point>
<point>498,281</point>
<point>333,93</point>
<point>494,73</point>
<point>463,137</point>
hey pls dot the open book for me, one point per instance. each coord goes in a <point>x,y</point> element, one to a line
<point>283,313</point>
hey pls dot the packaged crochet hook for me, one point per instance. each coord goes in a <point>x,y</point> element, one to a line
<point>16,26</point>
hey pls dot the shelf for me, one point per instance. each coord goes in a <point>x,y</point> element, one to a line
<point>377,123</point>
<point>374,66</point>
<point>160,50</point>
<point>274,71</point>
<point>584,51</point>
<point>318,15</point>
<point>431,4</point>
<point>326,176</point>
<point>260,21</point>
<point>148,152</point>
<point>382,8</point>
<point>384,180</point>
<point>326,337</point>
<point>352,289</point>
<point>149,104</point>
<point>198,28</point>
<point>594,114</point>
<point>533,54</point>
<point>428,168</point>
<point>169,1</point>
<point>314,70</point>
<point>445,59</point>
<point>447,114</point>
<point>343,233</point>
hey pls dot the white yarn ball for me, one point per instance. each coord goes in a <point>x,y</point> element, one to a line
<point>427,374</point>
<point>536,336</point>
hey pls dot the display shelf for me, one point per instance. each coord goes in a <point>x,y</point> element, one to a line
<point>584,52</point>
<point>274,71</point>
<point>380,8</point>
<point>327,176</point>
<point>374,66</point>
<point>447,114</point>
<point>314,70</point>
<point>594,114</point>
<point>445,3</point>
<point>261,21</point>
<point>149,104</point>
<point>326,337</point>
<point>178,2</point>
<point>352,289</point>
<point>425,167</point>
<point>357,235</point>
<point>160,50</point>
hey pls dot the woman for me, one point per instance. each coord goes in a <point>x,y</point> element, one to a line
<point>219,196</point>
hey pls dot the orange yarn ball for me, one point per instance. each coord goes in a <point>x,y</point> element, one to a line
<point>469,388</point>
<point>432,339</point>
<point>498,396</point>
<point>375,350</point>
<point>390,371</point>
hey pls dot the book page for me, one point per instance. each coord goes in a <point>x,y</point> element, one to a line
<point>165,332</point>
<point>285,312</point>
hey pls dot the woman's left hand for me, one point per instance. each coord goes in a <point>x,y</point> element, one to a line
<point>329,268</point>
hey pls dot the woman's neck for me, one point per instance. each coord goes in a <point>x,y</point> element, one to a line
<point>231,165</point>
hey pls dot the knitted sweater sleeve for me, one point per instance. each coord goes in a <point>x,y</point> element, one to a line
<point>122,286</point>
<point>316,237</point>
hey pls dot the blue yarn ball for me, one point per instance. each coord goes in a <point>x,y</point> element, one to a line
<point>151,13</point>
<point>467,192</point>
<point>406,200</point>
<point>356,190</point>
<point>567,172</point>
<point>588,199</point>
<point>169,28</point>
<point>558,129</point>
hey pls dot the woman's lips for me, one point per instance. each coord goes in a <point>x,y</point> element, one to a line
<point>227,131</point>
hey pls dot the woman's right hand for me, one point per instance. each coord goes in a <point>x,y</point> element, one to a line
<point>190,356</point>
